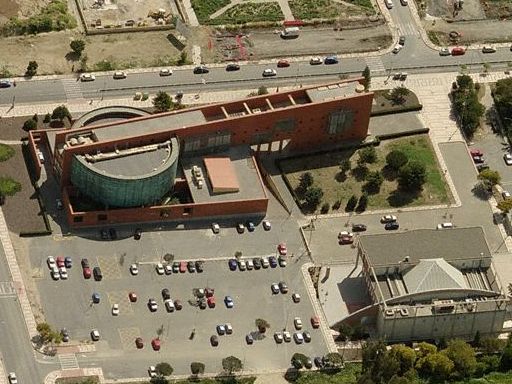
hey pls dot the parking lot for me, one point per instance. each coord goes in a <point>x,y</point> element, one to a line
<point>68,303</point>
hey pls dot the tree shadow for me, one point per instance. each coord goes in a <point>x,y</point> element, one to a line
<point>341,177</point>
<point>72,56</point>
<point>57,124</point>
<point>389,174</point>
<point>359,173</point>
<point>399,197</point>
<point>480,192</point>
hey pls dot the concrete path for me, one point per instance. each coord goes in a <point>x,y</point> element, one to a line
<point>191,14</point>
<point>283,4</point>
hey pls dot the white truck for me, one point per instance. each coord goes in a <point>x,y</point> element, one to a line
<point>290,32</point>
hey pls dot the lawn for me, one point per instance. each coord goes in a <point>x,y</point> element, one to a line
<point>204,8</point>
<point>384,103</point>
<point>6,152</point>
<point>326,9</point>
<point>250,12</point>
<point>338,187</point>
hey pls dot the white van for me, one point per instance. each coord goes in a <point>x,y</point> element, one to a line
<point>41,157</point>
<point>290,32</point>
<point>389,3</point>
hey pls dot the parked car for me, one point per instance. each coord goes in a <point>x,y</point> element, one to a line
<point>250,265</point>
<point>273,261</point>
<point>315,321</point>
<point>152,305</point>
<point>444,226</point>
<point>299,339</point>
<point>476,152</point>
<point>134,269</point>
<point>508,158</point>
<point>165,72</point>
<point>488,49</point>
<point>269,72</point>
<point>391,226</point>
<point>331,60</point>
<point>137,234</point>
<point>274,288</point>
<point>232,264</point>
<point>250,226</point>
<point>444,52</point>
<point>283,287</point>
<point>183,266</point>
<point>152,371</point>
<point>282,261</point>
<point>388,219</point>
<point>306,336</point>
<point>176,267</point>
<point>96,298</point>
<point>65,335</point>
<point>281,248</point>
<point>229,329</point>
<point>132,296</point>
<point>169,305</point>
<point>55,273</point>
<point>266,225</point>
<point>155,343</point>
<point>505,195</point>
<point>257,263</point>
<point>283,63</point>
<point>50,260</point>
<point>232,67</point>
<point>221,329</point>
<point>119,75</point>
<point>249,339</point>
<point>166,294</point>
<point>214,340</point>
<point>168,269</point>
<point>211,301</point>
<point>86,271</point>
<point>95,335</point>
<point>397,48</point>
<point>115,309</point>
<point>199,266</point>
<point>228,300</point>
<point>240,228</point>
<point>63,273</point>
<point>215,228</point>
<point>358,227</point>
<point>315,61</point>
<point>296,298</point>
<point>265,263</point>
<point>60,262</point>
<point>191,266</point>
<point>139,343</point>
<point>201,69</point>
<point>458,51</point>
<point>401,40</point>
<point>87,77</point>
<point>478,159</point>
<point>242,265</point>
<point>297,322</point>
<point>178,305</point>
<point>278,337</point>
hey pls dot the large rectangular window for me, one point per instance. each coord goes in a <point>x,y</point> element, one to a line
<point>339,121</point>
<point>207,142</point>
<point>285,125</point>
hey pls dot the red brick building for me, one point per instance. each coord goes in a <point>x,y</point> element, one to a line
<point>130,166</point>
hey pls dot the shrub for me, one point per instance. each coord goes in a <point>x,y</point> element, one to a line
<point>6,152</point>
<point>313,196</point>
<point>412,176</point>
<point>373,183</point>
<point>77,46</point>
<point>396,159</point>
<point>351,204</point>
<point>367,155</point>
<point>47,118</point>
<point>31,68</point>
<point>8,186</point>
<point>29,125</point>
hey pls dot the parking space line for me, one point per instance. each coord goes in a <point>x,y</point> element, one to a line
<point>128,336</point>
<point>121,298</point>
<point>68,361</point>
<point>110,267</point>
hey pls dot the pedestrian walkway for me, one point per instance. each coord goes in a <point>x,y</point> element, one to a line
<point>72,89</point>
<point>5,240</point>
<point>68,361</point>
<point>7,289</point>
<point>407,29</point>
<point>375,65</point>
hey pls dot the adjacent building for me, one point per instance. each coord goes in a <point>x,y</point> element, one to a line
<point>429,285</point>
<point>121,165</point>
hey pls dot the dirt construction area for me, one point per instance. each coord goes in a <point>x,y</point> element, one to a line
<point>485,31</point>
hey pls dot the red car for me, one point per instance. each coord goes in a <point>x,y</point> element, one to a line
<point>132,296</point>
<point>183,266</point>
<point>476,152</point>
<point>87,272</point>
<point>458,51</point>
<point>283,64</point>
<point>315,321</point>
<point>139,343</point>
<point>281,248</point>
<point>60,261</point>
<point>155,343</point>
<point>209,292</point>
<point>211,301</point>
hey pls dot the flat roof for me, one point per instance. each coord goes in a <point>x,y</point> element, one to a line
<point>138,164</point>
<point>221,174</point>
<point>147,125</point>
<point>332,91</point>
<point>448,244</point>
<point>244,168</point>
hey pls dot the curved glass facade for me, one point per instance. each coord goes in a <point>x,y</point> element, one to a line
<point>114,191</point>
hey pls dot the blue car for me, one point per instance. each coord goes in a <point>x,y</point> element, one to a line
<point>272,261</point>
<point>228,300</point>
<point>95,298</point>
<point>232,264</point>
<point>331,60</point>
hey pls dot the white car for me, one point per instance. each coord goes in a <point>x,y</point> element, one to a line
<point>169,305</point>
<point>95,335</point>
<point>242,265</point>
<point>168,269</point>
<point>397,48</point>
<point>115,309</point>
<point>265,263</point>
<point>55,273</point>
<point>278,337</point>
<point>388,219</point>
<point>269,72</point>
<point>221,329</point>
<point>266,225</point>
<point>160,268</point>
<point>250,265</point>
<point>296,298</point>
<point>488,49</point>
<point>134,270</point>
<point>63,273</point>
<point>315,61</point>
<point>87,77</point>
<point>119,75</point>
<point>229,329</point>
<point>282,261</point>
<point>298,323</point>
<point>152,371</point>
<point>12,378</point>
<point>215,228</point>
<point>508,158</point>
<point>153,306</point>
<point>444,52</point>
<point>444,226</point>
<point>345,234</point>
<point>165,72</point>
<point>299,339</point>
<point>51,262</point>
<point>275,288</point>
<point>287,336</point>
<point>505,195</point>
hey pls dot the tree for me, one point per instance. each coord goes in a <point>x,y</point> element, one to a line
<point>412,176</point>
<point>299,358</point>
<point>262,325</point>
<point>83,63</point>
<point>232,364</point>
<point>31,68</point>
<point>373,182</point>
<point>29,125</point>
<point>262,90</point>
<point>164,369</point>
<point>325,208</point>
<point>45,332</point>
<point>47,118</point>
<point>463,357</point>
<point>367,155</point>
<point>351,203</point>
<point>464,82</point>
<point>362,203</point>
<point>425,349</point>
<point>60,113</point>
<point>503,100</point>
<point>466,104</point>
<point>335,359</point>
<point>396,159</point>
<point>406,356</point>
<point>183,59</point>
<point>490,345</point>
<point>489,178</point>
<point>398,94</point>
<point>305,181</point>
<point>367,78</point>
<point>197,368</point>
<point>162,102</point>
<point>77,46</point>
<point>435,365</point>
<point>345,165</point>
<point>35,117</point>
<point>313,196</point>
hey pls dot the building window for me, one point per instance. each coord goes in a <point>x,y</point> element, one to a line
<point>339,121</point>
<point>285,125</point>
<point>102,217</point>
<point>78,219</point>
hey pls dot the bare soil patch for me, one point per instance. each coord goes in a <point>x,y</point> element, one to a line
<point>485,31</point>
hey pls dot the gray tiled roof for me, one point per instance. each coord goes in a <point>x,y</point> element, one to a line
<point>433,274</point>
